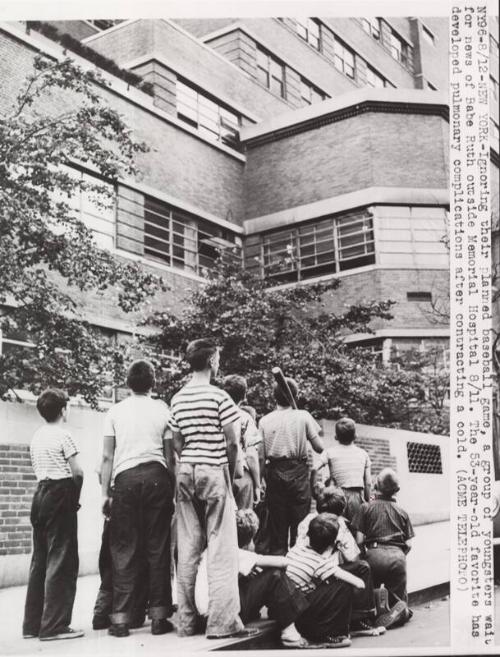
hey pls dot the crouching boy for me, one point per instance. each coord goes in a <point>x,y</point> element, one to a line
<point>54,564</point>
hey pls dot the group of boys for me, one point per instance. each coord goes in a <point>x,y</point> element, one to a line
<point>207,452</point>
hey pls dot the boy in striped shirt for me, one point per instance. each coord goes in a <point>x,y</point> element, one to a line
<point>314,569</point>
<point>54,564</point>
<point>205,422</point>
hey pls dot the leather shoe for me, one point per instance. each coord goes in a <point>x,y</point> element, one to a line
<point>118,630</point>
<point>161,626</point>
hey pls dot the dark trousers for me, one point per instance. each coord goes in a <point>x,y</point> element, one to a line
<point>288,495</point>
<point>272,589</point>
<point>329,611</point>
<point>104,602</point>
<point>363,602</point>
<point>388,565</point>
<point>140,518</point>
<point>54,564</point>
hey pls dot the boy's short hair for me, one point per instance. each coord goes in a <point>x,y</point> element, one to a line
<point>247,526</point>
<point>322,532</point>
<point>141,376</point>
<point>236,387</point>
<point>387,482</point>
<point>280,396</point>
<point>199,353</point>
<point>51,402</point>
<point>331,500</point>
<point>345,430</point>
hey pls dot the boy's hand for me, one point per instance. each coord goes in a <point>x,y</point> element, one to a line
<point>359,584</point>
<point>106,506</point>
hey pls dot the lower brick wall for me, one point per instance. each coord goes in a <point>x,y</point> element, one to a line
<point>380,453</point>
<point>17,484</point>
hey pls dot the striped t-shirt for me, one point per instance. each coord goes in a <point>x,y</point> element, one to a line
<point>50,450</point>
<point>199,413</point>
<point>307,568</point>
<point>349,463</point>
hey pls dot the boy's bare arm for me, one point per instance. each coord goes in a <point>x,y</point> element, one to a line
<point>108,455</point>
<point>232,437</point>
<point>76,473</point>
<point>270,561</point>
<point>367,482</point>
<point>345,576</point>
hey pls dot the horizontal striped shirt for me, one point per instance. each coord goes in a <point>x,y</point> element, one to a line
<point>50,450</point>
<point>199,413</point>
<point>349,463</point>
<point>307,568</point>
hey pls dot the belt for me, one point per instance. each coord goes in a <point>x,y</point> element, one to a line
<point>51,482</point>
<point>374,544</point>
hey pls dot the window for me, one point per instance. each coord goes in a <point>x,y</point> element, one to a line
<point>270,72</point>
<point>94,207</point>
<point>314,249</point>
<point>344,58</point>
<point>372,26</point>
<point>309,93</point>
<point>399,49</point>
<point>210,118</point>
<point>104,24</point>
<point>374,79</point>
<point>428,36</point>
<point>309,30</point>
<point>493,87</point>
<point>184,241</point>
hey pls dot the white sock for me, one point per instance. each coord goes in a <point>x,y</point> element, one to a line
<point>290,633</point>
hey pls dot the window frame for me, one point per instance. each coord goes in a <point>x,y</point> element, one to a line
<point>306,23</point>
<point>375,31</point>
<point>317,248</point>
<point>271,61</point>
<point>197,114</point>
<point>341,46</point>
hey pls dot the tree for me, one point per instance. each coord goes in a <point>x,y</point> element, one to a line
<point>258,328</point>
<point>59,118</point>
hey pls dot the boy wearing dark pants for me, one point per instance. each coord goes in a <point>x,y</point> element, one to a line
<point>138,455</point>
<point>328,588</point>
<point>54,565</point>
<point>385,530</point>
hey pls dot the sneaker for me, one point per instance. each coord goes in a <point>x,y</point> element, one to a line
<point>365,627</point>
<point>68,633</point>
<point>161,626</point>
<point>397,616</point>
<point>118,629</point>
<point>245,633</point>
<point>341,641</point>
<point>27,635</point>
<point>295,643</point>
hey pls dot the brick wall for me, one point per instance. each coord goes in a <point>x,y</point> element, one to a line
<point>17,484</point>
<point>380,453</point>
<point>373,149</point>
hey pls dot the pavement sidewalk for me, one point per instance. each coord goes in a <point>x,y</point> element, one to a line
<point>428,628</point>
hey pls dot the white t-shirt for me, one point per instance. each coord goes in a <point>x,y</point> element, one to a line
<point>138,424</point>
<point>346,545</point>
<point>349,464</point>
<point>246,563</point>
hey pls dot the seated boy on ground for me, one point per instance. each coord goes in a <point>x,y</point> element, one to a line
<point>262,583</point>
<point>332,500</point>
<point>385,530</point>
<point>315,570</point>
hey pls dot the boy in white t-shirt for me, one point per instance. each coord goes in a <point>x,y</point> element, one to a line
<point>138,458</point>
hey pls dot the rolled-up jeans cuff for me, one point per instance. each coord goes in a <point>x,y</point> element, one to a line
<point>120,618</point>
<point>158,613</point>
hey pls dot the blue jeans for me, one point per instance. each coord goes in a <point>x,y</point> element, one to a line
<point>206,517</point>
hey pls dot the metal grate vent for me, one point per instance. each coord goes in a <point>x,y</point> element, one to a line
<point>424,458</point>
